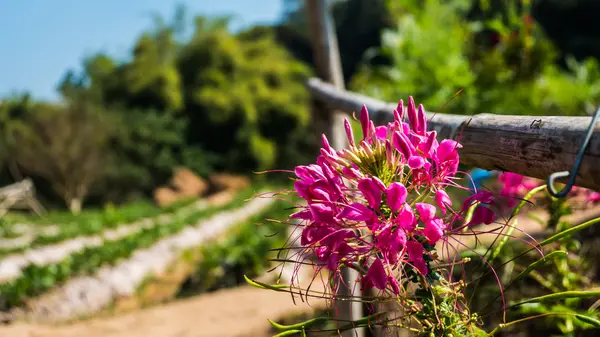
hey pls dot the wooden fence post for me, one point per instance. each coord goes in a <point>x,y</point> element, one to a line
<point>329,68</point>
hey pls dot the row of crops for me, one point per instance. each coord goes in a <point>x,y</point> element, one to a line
<point>86,270</point>
<point>19,233</point>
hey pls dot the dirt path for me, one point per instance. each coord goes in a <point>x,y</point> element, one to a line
<point>238,312</point>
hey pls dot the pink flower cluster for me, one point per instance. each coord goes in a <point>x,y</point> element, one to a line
<point>515,186</point>
<point>380,206</point>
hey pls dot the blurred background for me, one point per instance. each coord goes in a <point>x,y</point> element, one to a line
<point>114,114</point>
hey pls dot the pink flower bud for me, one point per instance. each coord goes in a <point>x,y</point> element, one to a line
<point>400,111</point>
<point>364,121</point>
<point>412,114</point>
<point>349,133</point>
<point>422,120</point>
<point>325,143</point>
<point>401,144</point>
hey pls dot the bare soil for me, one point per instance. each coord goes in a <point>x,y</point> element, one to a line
<point>239,312</point>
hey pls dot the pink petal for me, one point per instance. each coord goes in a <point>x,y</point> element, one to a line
<point>434,230</point>
<point>371,190</point>
<point>304,215</point>
<point>398,240</point>
<point>377,275</point>
<point>396,196</point>
<point>416,162</point>
<point>302,172</point>
<point>322,212</point>
<point>399,112</point>
<point>351,173</point>
<point>381,132</point>
<point>412,114</point>
<point>302,188</point>
<point>379,183</point>
<point>406,219</point>
<point>447,149</point>
<point>325,143</point>
<point>484,215</point>
<point>428,145</point>
<point>394,285</point>
<point>415,254</point>
<point>483,197</point>
<point>401,144</point>
<point>356,212</point>
<point>443,200</point>
<point>426,211</point>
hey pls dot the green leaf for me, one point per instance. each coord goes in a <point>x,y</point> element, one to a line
<point>561,296</point>
<point>300,325</point>
<point>479,332</point>
<point>589,320</point>
<point>537,263</point>
<point>276,287</point>
<point>569,232</point>
<point>288,333</point>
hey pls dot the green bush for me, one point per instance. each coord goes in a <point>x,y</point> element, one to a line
<point>503,62</point>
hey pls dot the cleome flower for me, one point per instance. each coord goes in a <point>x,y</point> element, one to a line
<point>514,186</point>
<point>381,206</point>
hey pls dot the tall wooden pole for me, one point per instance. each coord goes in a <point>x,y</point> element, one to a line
<point>329,68</point>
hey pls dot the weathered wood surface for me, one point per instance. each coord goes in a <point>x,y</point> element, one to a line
<point>535,146</point>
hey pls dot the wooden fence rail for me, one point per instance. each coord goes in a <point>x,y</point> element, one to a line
<point>535,146</point>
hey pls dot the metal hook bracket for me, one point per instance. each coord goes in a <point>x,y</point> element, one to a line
<point>572,175</point>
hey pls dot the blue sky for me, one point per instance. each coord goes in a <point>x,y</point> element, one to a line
<point>41,39</point>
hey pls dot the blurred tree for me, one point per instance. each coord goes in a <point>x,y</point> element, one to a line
<point>147,146</point>
<point>217,100</point>
<point>571,25</point>
<point>244,96</point>
<point>504,61</point>
<point>358,26</point>
<point>67,146</point>
<point>12,111</point>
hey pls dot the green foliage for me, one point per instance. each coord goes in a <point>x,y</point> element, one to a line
<point>429,63</point>
<point>245,251</point>
<point>245,96</point>
<point>12,112</point>
<point>148,146</point>
<point>89,222</point>
<point>551,289</point>
<point>501,60</point>
<point>216,101</point>
<point>358,25</point>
